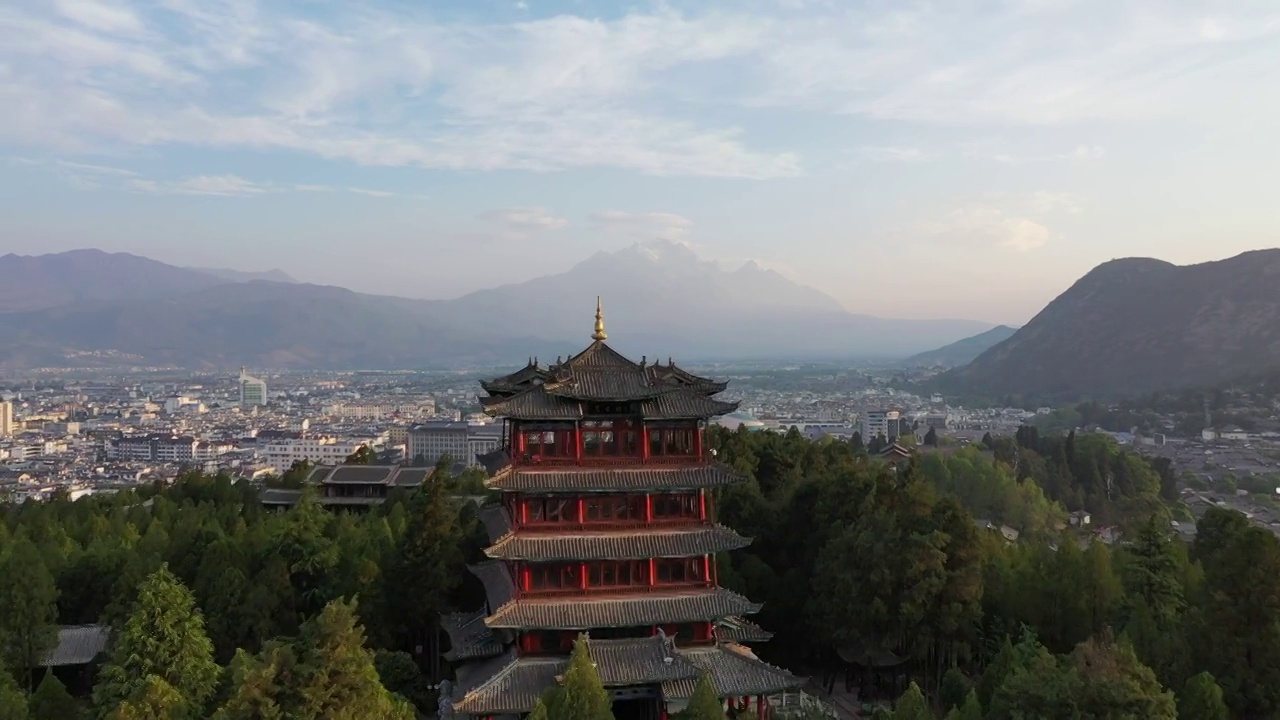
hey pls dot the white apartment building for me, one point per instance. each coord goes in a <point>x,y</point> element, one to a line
<point>154,448</point>
<point>281,454</point>
<point>879,422</point>
<point>253,391</point>
<point>429,441</point>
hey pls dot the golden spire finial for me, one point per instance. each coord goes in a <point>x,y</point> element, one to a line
<point>599,334</point>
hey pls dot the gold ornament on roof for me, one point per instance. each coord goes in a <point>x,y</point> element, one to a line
<point>599,333</point>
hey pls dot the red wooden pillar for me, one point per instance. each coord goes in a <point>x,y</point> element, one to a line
<point>644,443</point>
<point>582,570</point>
<point>706,568</point>
<point>653,576</point>
<point>524,511</point>
<point>519,440</point>
<point>524,577</point>
<point>702,505</point>
<point>648,508</point>
<point>582,510</point>
<point>577,443</point>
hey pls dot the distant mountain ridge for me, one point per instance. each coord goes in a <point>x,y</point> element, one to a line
<point>660,298</point>
<point>273,275</point>
<point>962,352</point>
<point>1137,325</point>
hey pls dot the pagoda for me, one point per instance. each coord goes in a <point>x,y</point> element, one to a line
<point>606,527</point>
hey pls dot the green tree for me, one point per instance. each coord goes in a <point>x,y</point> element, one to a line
<point>327,672</point>
<point>424,569</point>
<point>51,701</point>
<point>954,689</point>
<point>162,640</point>
<point>705,703</point>
<point>970,710</point>
<point>13,704</point>
<point>539,711</point>
<point>28,609</point>
<point>364,455</point>
<point>931,437</point>
<point>153,699</point>
<point>401,675</point>
<point>581,694</point>
<point>1201,699</point>
<point>1115,685</point>
<point>912,705</point>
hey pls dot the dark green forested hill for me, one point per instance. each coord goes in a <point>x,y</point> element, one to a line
<point>222,610</point>
<point>1138,325</point>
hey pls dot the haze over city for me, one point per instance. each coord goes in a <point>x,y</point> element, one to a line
<point>994,152</point>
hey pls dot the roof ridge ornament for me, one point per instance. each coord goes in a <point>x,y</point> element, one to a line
<point>599,333</point>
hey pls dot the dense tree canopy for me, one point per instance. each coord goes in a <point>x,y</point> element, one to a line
<point>852,555</point>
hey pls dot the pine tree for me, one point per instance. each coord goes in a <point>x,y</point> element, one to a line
<point>970,710</point>
<point>912,705</point>
<point>153,699</point>
<point>1201,699</point>
<point>705,703</point>
<point>28,609</point>
<point>581,695</point>
<point>539,711</point>
<point>13,704</point>
<point>162,640</point>
<point>51,701</point>
<point>327,672</point>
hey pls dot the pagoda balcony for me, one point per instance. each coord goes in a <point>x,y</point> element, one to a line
<point>528,460</point>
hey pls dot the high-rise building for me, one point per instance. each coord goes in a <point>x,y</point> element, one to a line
<point>6,419</point>
<point>879,422</point>
<point>253,391</point>
<point>607,526</point>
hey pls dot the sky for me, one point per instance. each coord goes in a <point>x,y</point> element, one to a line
<point>960,158</point>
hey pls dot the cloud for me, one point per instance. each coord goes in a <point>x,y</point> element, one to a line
<point>1081,152</point>
<point>522,219</point>
<point>646,225</point>
<point>989,223</point>
<point>387,84</point>
<point>893,154</point>
<point>220,185</point>
<point>370,193</point>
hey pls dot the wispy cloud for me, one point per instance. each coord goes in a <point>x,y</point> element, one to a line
<point>989,224</point>
<point>644,225</point>
<point>1081,152</point>
<point>386,85</point>
<point>221,185</point>
<point>893,154</point>
<point>521,219</point>
<point>370,193</point>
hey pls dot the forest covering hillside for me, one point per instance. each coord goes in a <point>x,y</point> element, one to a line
<point>253,609</point>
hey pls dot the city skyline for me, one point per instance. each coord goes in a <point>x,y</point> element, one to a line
<point>995,154</point>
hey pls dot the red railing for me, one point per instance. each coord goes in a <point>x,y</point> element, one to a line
<point>606,461</point>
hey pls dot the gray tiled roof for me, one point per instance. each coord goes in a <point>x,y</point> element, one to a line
<point>740,630</point>
<point>499,586</point>
<point>412,477</point>
<point>734,672</point>
<point>655,608</point>
<point>78,645</point>
<point>511,684</point>
<point>469,637</point>
<point>280,496</point>
<point>361,474</point>
<point>496,521</point>
<point>684,404</point>
<point>597,479</point>
<point>619,545</point>
<point>533,404</point>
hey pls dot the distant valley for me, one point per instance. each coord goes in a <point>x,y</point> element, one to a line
<point>660,299</point>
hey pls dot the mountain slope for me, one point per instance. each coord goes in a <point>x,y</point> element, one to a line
<point>1135,325</point>
<point>273,275</point>
<point>963,352</point>
<point>660,296</point>
<point>36,282</point>
<point>257,323</point>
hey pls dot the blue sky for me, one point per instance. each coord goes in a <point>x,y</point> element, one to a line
<point>963,158</point>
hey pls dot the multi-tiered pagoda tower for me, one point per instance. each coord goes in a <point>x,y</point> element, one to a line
<point>606,526</point>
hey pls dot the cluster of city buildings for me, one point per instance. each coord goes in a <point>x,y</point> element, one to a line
<point>86,437</point>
